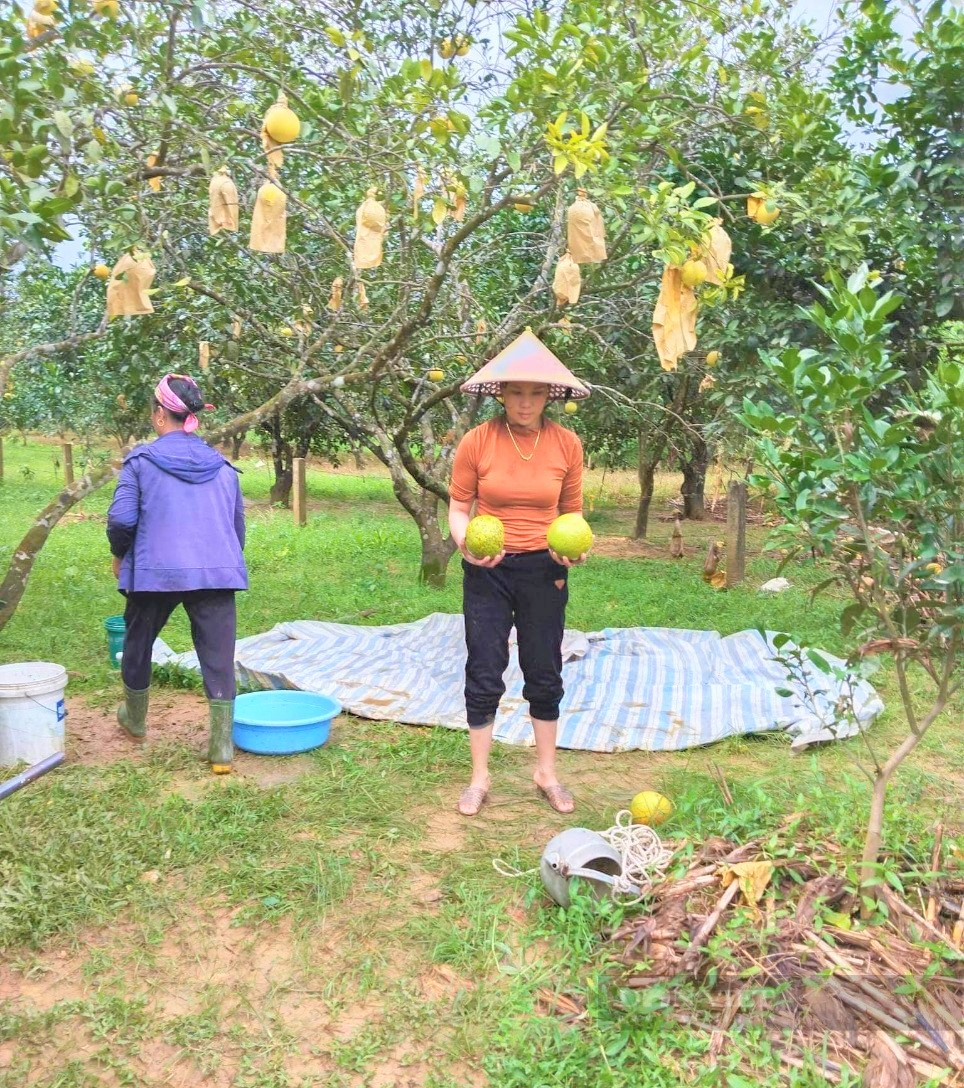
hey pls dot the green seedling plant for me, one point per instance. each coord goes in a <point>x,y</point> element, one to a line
<point>865,466</point>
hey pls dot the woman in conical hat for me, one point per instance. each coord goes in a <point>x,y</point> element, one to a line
<point>525,470</point>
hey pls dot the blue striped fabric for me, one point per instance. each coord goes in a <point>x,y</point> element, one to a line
<point>649,688</point>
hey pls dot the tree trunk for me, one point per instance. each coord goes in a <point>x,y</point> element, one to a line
<point>437,549</point>
<point>693,489</point>
<point>436,552</point>
<point>281,457</point>
<point>423,505</point>
<point>870,872</point>
<point>647,476</point>
<point>652,445</point>
<point>15,580</point>
<point>237,441</point>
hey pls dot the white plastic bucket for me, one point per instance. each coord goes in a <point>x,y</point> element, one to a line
<point>32,711</point>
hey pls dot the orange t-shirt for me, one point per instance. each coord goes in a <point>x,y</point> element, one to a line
<point>526,495</point>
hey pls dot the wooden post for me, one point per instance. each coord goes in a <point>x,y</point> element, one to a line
<point>68,462</point>
<point>299,501</point>
<point>735,533</point>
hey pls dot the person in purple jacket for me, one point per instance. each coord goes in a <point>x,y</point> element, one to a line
<point>176,531</point>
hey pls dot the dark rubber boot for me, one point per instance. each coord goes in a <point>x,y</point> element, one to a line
<point>220,745</point>
<point>132,713</point>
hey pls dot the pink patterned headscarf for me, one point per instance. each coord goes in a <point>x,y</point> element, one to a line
<point>168,399</point>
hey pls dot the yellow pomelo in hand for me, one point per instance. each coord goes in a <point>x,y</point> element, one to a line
<point>650,807</point>
<point>282,124</point>
<point>570,536</point>
<point>485,536</point>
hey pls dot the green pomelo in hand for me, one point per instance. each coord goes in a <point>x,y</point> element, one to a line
<point>570,536</point>
<point>485,536</point>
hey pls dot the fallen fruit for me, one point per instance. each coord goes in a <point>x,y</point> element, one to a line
<point>650,807</point>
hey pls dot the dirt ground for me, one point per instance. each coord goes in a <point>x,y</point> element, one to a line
<point>199,959</point>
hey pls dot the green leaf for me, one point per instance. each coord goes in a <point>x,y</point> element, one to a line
<point>65,126</point>
<point>559,163</point>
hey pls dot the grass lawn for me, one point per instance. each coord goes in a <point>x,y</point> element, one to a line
<point>329,919</point>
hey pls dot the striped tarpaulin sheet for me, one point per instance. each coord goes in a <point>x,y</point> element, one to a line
<point>650,688</point>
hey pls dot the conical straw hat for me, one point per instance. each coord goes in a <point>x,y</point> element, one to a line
<point>527,359</point>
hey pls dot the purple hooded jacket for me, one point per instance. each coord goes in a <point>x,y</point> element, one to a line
<point>177,518</point>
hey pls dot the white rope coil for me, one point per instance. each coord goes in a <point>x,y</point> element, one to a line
<point>642,855</point>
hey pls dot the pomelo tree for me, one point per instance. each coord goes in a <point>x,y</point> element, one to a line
<point>142,110</point>
<point>870,483</point>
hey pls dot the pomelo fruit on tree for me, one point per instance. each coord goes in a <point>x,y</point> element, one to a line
<point>101,271</point>
<point>282,124</point>
<point>485,536</point>
<point>570,536</point>
<point>694,272</point>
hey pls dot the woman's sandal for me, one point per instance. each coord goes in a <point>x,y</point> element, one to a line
<point>472,800</point>
<point>559,798</point>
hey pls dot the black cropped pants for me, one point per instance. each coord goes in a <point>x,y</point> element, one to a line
<point>213,619</point>
<point>529,590</point>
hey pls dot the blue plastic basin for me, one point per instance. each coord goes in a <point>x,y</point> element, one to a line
<point>278,723</point>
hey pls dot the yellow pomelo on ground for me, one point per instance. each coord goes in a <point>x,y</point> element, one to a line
<point>436,375</point>
<point>694,273</point>
<point>282,124</point>
<point>934,568</point>
<point>101,271</point>
<point>570,536</point>
<point>650,807</point>
<point>485,536</point>
<point>712,358</point>
<point>570,408</point>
